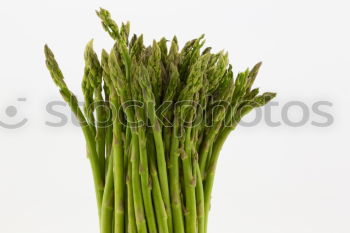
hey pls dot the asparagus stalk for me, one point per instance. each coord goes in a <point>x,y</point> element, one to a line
<point>70,98</point>
<point>156,191</point>
<point>117,150</point>
<point>107,207</point>
<point>131,227</point>
<point>95,78</point>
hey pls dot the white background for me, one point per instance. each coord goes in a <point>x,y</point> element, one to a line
<point>270,179</point>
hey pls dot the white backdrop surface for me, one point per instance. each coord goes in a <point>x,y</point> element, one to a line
<point>270,179</point>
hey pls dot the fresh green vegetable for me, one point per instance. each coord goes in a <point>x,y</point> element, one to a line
<point>155,119</point>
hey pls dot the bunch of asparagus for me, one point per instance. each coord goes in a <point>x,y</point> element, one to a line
<point>155,119</point>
